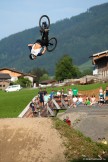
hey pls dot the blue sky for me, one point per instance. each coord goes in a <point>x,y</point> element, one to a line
<point>18,15</point>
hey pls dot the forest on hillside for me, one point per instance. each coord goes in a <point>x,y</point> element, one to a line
<point>79,37</point>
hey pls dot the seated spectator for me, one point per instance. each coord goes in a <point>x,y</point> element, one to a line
<point>87,102</point>
<point>101,99</point>
<point>93,100</point>
<point>59,93</point>
<point>79,100</point>
<point>74,100</point>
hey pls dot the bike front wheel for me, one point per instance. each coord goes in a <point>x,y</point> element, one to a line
<point>44,22</point>
<point>52,43</point>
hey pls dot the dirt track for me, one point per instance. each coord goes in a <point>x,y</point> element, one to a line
<point>30,140</point>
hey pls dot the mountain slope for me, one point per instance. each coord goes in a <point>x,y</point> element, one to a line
<point>80,36</point>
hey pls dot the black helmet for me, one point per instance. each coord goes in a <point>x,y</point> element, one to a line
<point>32,57</point>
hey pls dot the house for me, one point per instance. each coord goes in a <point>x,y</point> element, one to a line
<point>47,83</point>
<point>100,62</point>
<point>4,80</point>
<point>14,74</point>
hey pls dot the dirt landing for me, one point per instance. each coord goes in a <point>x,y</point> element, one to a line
<point>30,140</point>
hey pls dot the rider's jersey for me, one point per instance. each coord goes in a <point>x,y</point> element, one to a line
<point>35,51</point>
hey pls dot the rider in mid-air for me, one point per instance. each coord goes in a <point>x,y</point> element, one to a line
<point>44,44</point>
<point>39,47</point>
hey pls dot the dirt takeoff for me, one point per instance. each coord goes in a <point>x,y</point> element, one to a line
<point>30,140</point>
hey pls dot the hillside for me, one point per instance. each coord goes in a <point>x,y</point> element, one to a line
<point>80,36</point>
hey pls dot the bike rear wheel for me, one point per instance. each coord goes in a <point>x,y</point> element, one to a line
<point>44,22</point>
<point>52,43</point>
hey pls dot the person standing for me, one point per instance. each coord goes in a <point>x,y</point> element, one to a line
<point>75,92</point>
<point>41,97</point>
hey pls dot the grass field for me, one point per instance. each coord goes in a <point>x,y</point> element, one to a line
<point>12,103</point>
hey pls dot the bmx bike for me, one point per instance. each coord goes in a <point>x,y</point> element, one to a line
<point>44,24</point>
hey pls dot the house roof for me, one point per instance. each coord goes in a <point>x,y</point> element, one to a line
<point>99,55</point>
<point>13,70</point>
<point>4,76</point>
<point>47,81</point>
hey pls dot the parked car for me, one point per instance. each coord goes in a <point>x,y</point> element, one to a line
<point>13,88</point>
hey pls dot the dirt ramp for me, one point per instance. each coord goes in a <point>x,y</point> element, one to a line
<point>30,140</point>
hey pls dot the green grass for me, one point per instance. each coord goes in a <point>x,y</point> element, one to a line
<point>77,144</point>
<point>81,87</point>
<point>12,103</point>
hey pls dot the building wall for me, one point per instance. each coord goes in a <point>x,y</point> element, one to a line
<point>4,84</point>
<point>102,68</point>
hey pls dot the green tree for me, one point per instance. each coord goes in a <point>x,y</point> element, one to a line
<point>65,68</point>
<point>44,77</point>
<point>24,82</point>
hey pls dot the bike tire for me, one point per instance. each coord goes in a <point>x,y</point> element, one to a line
<point>44,18</point>
<point>52,43</point>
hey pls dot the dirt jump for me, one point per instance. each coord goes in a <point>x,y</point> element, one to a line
<point>30,140</point>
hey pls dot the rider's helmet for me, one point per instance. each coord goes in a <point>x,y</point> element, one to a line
<point>32,57</point>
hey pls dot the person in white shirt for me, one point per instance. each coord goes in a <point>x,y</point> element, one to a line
<point>39,47</point>
<point>36,49</point>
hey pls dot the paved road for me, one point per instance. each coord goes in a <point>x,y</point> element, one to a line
<point>91,121</point>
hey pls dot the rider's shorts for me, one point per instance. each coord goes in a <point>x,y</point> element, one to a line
<point>39,54</point>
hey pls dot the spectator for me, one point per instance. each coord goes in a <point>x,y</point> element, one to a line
<point>46,98</point>
<point>75,92</point>
<point>32,106</point>
<point>101,99</point>
<point>37,102</point>
<point>58,93</point>
<point>101,93</point>
<point>106,94</point>
<point>52,94</point>
<point>44,91</point>
<point>93,100</point>
<point>79,100</point>
<point>87,102</point>
<point>41,97</point>
<point>62,91</point>
<point>69,95</point>
<point>74,99</point>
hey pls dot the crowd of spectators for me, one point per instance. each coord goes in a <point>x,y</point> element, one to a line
<point>74,99</point>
